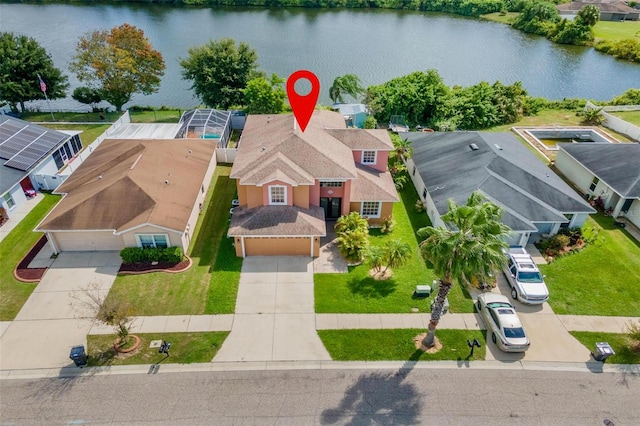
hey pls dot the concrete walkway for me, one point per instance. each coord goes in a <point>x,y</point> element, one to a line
<point>275,318</point>
<point>18,213</point>
<point>53,320</point>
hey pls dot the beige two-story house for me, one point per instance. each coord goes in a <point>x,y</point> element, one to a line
<point>290,183</point>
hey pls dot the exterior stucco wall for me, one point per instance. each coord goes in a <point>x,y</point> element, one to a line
<point>386,209</point>
<point>574,171</point>
<point>253,196</point>
<point>301,196</point>
<point>382,159</point>
<point>198,205</point>
<point>265,192</point>
<point>633,214</point>
<point>18,198</point>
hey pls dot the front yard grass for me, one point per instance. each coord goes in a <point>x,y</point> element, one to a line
<point>210,286</point>
<point>620,343</point>
<point>602,279</point>
<point>632,117</point>
<point>13,293</point>
<point>357,292</point>
<point>397,344</point>
<point>186,348</point>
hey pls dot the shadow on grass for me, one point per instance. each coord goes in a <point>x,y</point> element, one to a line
<point>409,196</point>
<point>371,288</point>
<point>608,223</point>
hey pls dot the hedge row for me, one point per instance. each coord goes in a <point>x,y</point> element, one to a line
<point>143,255</point>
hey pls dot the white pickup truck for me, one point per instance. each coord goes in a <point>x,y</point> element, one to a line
<point>524,277</point>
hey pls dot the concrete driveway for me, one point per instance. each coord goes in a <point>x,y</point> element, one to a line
<point>274,318</point>
<point>550,340</point>
<point>52,320</point>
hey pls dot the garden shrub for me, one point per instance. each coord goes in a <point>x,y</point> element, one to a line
<point>558,242</point>
<point>388,224</point>
<point>142,255</point>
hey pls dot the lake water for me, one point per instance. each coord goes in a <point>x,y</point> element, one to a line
<point>376,45</point>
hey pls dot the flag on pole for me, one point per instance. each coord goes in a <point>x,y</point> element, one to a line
<point>43,86</point>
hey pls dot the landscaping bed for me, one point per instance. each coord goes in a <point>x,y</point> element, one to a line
<point>30,275</point>
<point>147,267</point>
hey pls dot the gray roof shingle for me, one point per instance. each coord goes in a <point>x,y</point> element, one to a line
<point>617,164</point>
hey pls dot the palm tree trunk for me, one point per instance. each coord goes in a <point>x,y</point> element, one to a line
<point>438,306</point>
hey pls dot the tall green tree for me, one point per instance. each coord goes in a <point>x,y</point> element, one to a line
<point>589,14</point>
<point>22,59</point>
<point>262,96</point>
<point>119,63</point>
<point>471,245</point>
<point>348,84</point>
<point>219,71</point>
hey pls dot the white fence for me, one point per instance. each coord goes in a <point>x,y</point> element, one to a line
<point>616,123</point>
<point>226,155</point>
<point>122,121</point>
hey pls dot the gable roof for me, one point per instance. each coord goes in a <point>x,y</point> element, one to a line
<point>128,183</point>
<point>617,164</point>
<point>270,145</point>
<point>499,166</point>
<point>277,220</point>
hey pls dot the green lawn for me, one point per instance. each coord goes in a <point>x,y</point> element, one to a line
<point>616,30</point>
<point>13,248</point>
<point>90,132</point>
<point>79,117</point>
<point>186,348</point>
<point>210,286</point>
<point>620,343</point>
<point>602,279</point>
<point>503,18</point>
<point>632,117</point>
<point>156,116</point>
<point>357,292</point>
<point>385,345</point>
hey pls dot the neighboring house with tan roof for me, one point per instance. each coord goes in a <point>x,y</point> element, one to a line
<point>610,10</point>
<point>133,193</point>
<point>290,182</point>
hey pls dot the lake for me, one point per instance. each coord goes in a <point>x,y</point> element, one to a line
<point>376,45</point>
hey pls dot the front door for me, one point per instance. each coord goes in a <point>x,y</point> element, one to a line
<point>332,207</point>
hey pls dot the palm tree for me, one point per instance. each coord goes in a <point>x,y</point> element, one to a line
<point>589,14</point>
<point>396,254</point>
<point>401,147</point>
<point>375,257</point>
<point>470,246</point>
<point>348,84</point>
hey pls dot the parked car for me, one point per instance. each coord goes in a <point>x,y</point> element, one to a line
<point>502,322</point>
<point>526,282</point>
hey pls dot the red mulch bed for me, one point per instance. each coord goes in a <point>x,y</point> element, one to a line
<point>141,268</point>
<point>22,272</point>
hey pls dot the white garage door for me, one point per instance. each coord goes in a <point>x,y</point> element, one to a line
<point>88,241</point>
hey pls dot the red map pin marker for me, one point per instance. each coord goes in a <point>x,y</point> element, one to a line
<point>303,106</point>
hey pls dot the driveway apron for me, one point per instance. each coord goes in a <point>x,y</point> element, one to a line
<point>275,318</point>
<point>53,319</point>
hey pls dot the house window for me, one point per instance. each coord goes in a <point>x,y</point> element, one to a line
<point>594,183</point>
<point>57,157</point>
<point>369,157</point>
<point>277,194</point>
<point>370,209</point>
<point>331,184</point>
<point>424,193</point>
<point>152,240</point>
<point>9,200</point>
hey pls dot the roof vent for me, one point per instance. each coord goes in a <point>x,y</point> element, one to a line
<point>498,146</point>
<point>166,182</point>
<point>101,176</point>
<point>190,152</point>
<point>473,147</point>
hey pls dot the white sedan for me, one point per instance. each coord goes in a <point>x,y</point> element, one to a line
<point>502,322</point>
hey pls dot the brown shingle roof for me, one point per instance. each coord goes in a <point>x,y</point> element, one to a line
<point>277,221</point>
<point>122,185</point>
<point>323,151</point>
<point>373,185</point>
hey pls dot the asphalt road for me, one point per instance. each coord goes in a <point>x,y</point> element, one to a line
<point>341,397</point>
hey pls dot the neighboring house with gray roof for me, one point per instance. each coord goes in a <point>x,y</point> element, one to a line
<point>290,182</point>
<point>31,157</point>
<point>452,165</point>
<point>607,170</point>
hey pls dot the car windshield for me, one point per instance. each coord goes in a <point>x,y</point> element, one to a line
<point>529,277</point>
<point>513,333</point>
<point>495,305</point>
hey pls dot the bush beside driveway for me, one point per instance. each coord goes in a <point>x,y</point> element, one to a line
<point>602,279</point>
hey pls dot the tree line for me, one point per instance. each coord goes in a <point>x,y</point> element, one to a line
<point>117,63</point>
